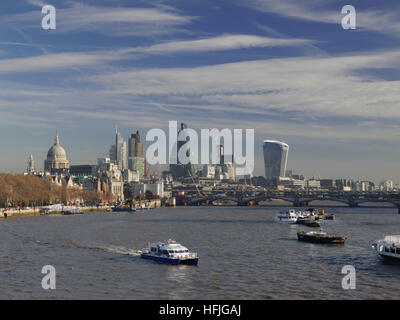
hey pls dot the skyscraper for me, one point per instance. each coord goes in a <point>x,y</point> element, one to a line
<point>275,158</point>
<point>135,146</point>
<point>113,153</point>
<point>121,151</point>
<point>180,170</point>
<point>135,155</point>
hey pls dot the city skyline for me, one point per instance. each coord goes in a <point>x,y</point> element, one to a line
<point>288,70</point>
<point>119,136</point>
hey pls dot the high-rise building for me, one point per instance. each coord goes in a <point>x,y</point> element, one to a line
<point>275,158</point>
<point>137,164</point>
<point>135,146</point>
<point>121,151</point>
<point>180,170</point>
<point>113,153</point>
<point>135,155</point>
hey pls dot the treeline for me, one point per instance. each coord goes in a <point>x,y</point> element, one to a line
<point>31,191</point>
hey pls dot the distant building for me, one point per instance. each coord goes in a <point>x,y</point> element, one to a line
<point>180,170</point>
<point>113,153</point>
<point>327,183</point>
<point>137,164</point>
<point>110,178</point>
<point>386,185</point>
<point>275,158</point>
<point>81,170</point>
<point>208,171</point>
<point>226,163</point>
<point>313,184</point>
<point>30,169</point>
<point>135,146</point>
<point>157,189</point>
<point>130,176</point>
<point>290,183</point>
<point>56,161</point>
<point>121,151</point>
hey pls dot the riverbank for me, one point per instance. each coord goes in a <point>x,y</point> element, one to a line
<point>30,212</point>
<point>14,213</point>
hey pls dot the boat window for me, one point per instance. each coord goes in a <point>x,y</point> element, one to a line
<point>153,249</point>
<point>392,250</point>
<point>386,249</point>
<point>398,250</point>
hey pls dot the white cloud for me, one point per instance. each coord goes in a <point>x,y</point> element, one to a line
<point>56,61</point>
<point>223,42</point>
<point>384,21</point>
<point>324,86</point>
<point>109,20</point>
<point>89,59</point>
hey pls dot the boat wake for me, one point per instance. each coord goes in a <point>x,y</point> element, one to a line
<point>109,248</point>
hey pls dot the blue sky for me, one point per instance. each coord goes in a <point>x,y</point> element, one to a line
<point>285,68</point>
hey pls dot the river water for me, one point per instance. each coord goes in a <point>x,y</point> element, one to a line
<point>243,255</point>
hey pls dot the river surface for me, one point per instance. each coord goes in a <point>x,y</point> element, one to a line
<point>243,255</point>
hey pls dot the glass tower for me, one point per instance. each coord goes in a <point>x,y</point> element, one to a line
<point>275,158</point>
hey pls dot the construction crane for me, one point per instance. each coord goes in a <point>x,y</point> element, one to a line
<point>197,189</point>
<point>146,169</point>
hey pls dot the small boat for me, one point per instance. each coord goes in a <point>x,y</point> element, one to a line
<point>320,237</point>
<point>312,223</point>
<point>123,209</point>
<point>71,210</point>
<point>143,207</point>
<point>388,248</point>
<point>286,217</point>
<point>169,252</point>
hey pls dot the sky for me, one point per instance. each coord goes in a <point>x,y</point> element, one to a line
<point>284,68</point>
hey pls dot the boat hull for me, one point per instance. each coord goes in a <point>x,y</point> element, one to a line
<point>322,240</point>
<point>167,260</point>
<point>390,259</point>
<point>123,210</point>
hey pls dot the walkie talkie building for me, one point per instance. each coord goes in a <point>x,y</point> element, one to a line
<point>275,158</point>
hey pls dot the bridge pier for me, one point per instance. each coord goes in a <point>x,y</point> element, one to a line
<point>300,204</point>
<point>353,204</point>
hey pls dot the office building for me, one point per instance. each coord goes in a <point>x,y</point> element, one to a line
<point>275,158</point>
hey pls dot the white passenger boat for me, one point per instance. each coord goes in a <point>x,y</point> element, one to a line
<point>169,252</point>
<point>289,216</point>
<point>388,248</point>
<point>67,210</point>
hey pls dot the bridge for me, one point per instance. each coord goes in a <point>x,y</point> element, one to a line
<point>298,200</point>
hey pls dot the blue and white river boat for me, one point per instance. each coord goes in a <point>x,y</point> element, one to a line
<point>388,248</point>
<point>169,252</point>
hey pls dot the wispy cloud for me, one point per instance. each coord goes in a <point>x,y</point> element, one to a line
<point>56,61</point>
<point>383,20</point>
<point>324,86</point>
<point>219,43</point>
<point>115,20</point>
<point>66,60</point>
